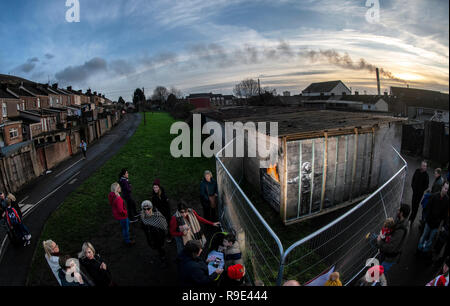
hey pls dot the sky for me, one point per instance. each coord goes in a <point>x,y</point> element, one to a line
<point>209,46</point>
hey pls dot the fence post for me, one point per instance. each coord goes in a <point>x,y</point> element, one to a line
<point>281,269</point>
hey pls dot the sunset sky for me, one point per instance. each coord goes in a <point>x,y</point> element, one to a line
<point>203,46</point>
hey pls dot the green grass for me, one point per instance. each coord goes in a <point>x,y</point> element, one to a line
<point>147,156</point>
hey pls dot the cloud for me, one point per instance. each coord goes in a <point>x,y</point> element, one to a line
<point>81,73</point>
<point>29,65</point>
<point>122,67</point>
<point>49,56</point>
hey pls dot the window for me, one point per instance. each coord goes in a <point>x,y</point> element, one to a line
<point>13,133</point>
<point>4,110</point>
<point>38,103</point>
<point>18,106</point>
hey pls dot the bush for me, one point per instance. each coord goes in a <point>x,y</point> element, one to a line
<point>181,110</point>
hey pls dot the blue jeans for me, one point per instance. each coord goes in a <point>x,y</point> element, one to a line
<point>427,238</point>
<point>180,245</point>
<point>387,265</point>
<point>125,224</point>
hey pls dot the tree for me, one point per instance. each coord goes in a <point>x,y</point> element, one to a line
<point>138,96</point>
<point>160,93</point>
<point>171,101</point>
<point>246,88</point>
<point>121,100</point>
<point>176,92</point>
<point>272,91</point>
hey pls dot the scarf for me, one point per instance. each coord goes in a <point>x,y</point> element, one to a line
<point>195,232</point>
<point>155,220</point>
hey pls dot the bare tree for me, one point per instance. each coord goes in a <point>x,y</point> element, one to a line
<point>176,92</point>
<point>246,88</point>
<point>160,93</point>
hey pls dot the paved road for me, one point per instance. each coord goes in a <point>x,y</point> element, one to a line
<point>41,198</point>
<point>411,270</point>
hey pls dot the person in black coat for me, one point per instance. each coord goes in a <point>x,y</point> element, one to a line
<point>192,270</point>
<point>437,211</point>
<point>94,266</point>
<point>155,228</point>
<point>419,184</point>
<point>161,203</point>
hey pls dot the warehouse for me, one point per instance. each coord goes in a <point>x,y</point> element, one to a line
<point>326,159</point>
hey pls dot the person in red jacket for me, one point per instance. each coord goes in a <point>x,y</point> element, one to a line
<point>119,212</point>
<point>185,226</point>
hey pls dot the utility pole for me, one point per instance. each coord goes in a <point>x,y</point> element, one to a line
<point>143,92</point>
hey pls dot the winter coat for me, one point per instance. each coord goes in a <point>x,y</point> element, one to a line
<point>391,250</point>
<point>207,189</point>
<point>92,266</point>
<point>193,271</point>
<point>126,187</point>
<point>437,185</point>
<point>161,203</point>
<point>420,181</point>
<point>53,263</point>
<point>118,208</point>
<point>437,210</point>
<point>155,235</point>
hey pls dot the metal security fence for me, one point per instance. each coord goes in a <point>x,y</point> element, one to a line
<point>344,244</point>
<point>260,246</point>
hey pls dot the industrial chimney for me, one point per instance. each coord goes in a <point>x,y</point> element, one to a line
<point>378,81</point>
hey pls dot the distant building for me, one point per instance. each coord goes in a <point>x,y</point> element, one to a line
<point>286,93</point>
<point>330,88</point>
<point>419,104</point>
<point>200,100</point>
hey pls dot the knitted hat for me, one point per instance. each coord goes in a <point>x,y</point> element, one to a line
<point>235,271</point>
<point>378,269</point>
<point>156,182</point>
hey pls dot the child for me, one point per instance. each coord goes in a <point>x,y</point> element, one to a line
<point>230,248</point>
<point>386,230</point>
<point>333,280</point>
<point>385,233</point>
<point>16,225</point>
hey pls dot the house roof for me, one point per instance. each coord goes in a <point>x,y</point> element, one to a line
<point>20,92</point>
<point>200,95</point>
<point>421,97</point>
<point>323,86</point>
<point>6,95</point>
<point>11,79</point>
<point>299,120</point>
<point>35,90</point>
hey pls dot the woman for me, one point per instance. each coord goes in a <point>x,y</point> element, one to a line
<point>126,193</point>
<point>185,226</point>
<point>51,250</point>
<point>161,203</point>
<point>94,265</point>
<point>120,213</point>
<point>155,228</point>
<point>208,196</point>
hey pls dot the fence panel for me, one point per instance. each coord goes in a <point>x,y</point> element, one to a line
<point>347,242</point>
<point>261,248</point>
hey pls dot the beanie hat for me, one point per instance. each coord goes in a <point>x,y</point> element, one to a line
<point>156,182</point>
<point>376,269</point>
<point>235,271</point>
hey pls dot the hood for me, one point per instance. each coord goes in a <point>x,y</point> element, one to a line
<point>111,197</point>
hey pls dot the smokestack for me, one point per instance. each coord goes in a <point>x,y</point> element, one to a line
<point>378,80</point>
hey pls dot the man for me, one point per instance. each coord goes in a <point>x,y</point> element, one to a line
<point>391,251</point>
<point>438,181</point>
<point>436,211</point>
<point>208,196</point>
<point>83,147</point>
<point>192,270</point>
<point>419,184</point>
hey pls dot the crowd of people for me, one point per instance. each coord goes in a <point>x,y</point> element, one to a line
<point>222,263</point>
